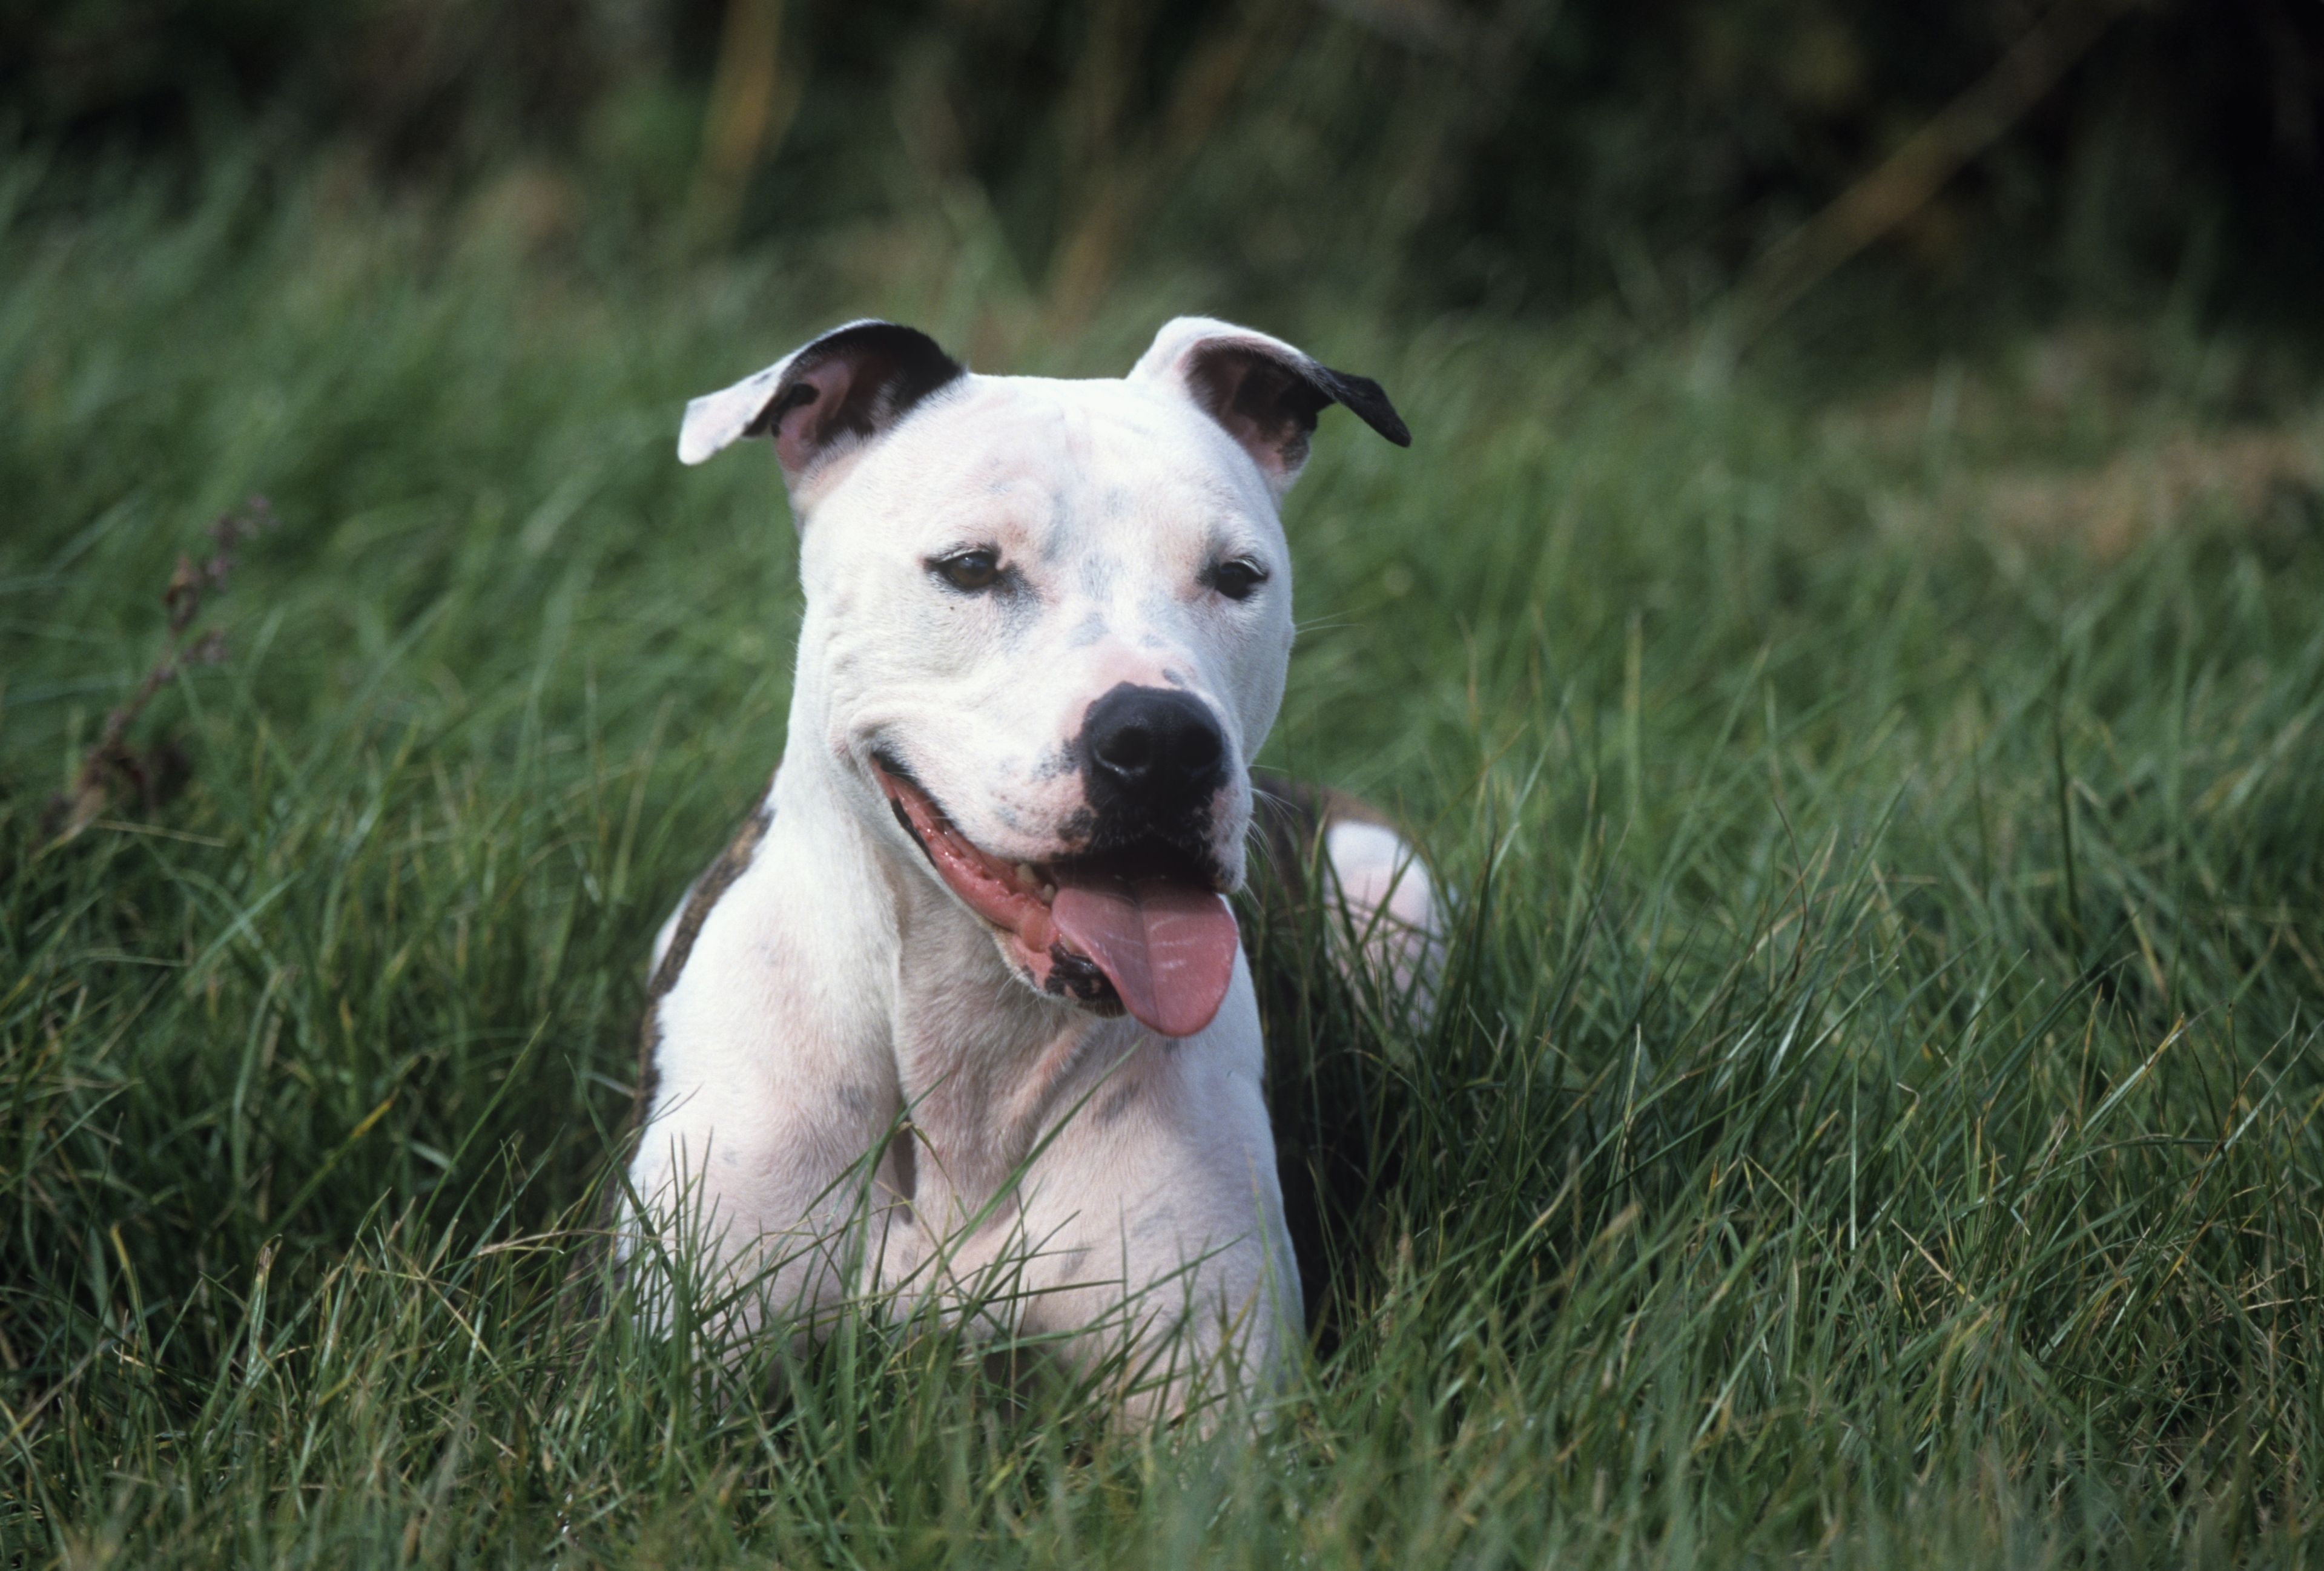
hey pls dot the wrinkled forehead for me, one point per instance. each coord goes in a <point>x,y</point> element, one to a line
<point>1062,465</point>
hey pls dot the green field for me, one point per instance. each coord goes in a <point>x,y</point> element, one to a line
<point>1874,1115</point>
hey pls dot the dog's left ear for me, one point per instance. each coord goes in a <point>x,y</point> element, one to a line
<point>1266,393</point>
<point>823,400</point>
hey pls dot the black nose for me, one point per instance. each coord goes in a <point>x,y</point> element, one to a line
<point>1152,752</point>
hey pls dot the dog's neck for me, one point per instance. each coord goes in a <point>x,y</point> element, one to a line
<point>982,1064</point>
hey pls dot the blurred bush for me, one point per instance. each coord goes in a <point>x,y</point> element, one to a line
<point>1512,152</point>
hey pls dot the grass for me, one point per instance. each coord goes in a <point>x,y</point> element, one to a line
<point>1874,1115</point>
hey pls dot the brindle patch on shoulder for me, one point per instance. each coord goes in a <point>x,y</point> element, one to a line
<point>716,880</point>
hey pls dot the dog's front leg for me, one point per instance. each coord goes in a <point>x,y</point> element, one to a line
<point>1151,1223</point>
<point>765,1211</point>
<point>769,1194</point>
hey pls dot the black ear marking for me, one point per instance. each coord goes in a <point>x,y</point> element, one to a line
<point>1366,400</point>
<point>853,382</point>
<point>1265,393</point>
<point>1269,400</point>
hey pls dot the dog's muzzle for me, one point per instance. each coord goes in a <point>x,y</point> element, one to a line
<point>1153,760</point>
<point>1131,913</point>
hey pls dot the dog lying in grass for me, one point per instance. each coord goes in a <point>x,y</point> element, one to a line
<point>964,1001</point>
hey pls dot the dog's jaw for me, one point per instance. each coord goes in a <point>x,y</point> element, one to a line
<point>1014,900</point>
<point>1149,935</point>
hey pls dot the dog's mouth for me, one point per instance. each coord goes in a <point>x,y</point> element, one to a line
<point>1144,929</point>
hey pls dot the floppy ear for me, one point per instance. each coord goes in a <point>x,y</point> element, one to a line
<point>823,400</point>
<point>1263,391</point>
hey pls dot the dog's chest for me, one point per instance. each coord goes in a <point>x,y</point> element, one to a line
<point>981,1063</point>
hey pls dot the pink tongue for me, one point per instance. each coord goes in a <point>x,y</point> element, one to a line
<point>1169,948</point>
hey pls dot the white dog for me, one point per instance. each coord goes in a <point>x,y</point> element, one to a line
<point>965,995</point>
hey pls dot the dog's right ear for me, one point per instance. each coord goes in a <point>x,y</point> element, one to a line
<point>823,400</point>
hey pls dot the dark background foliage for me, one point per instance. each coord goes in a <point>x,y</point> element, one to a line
<point>1513,153</point>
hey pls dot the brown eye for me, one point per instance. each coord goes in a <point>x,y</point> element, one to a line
<point>1235,578</point>
<point>972,570</point>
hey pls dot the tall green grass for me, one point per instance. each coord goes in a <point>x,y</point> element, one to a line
<point>1872,1119</point>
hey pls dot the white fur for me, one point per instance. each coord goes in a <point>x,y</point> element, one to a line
<point>838,984</point>
<point>1389,904</point>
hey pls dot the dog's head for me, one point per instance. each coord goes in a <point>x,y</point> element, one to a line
<point>1046,626</point>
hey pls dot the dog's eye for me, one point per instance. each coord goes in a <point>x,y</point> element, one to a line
<point>1235,578</point>
<point>972,570</point>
